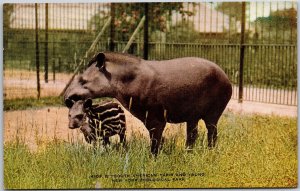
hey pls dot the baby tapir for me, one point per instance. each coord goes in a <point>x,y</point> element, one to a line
<point>98,121</point>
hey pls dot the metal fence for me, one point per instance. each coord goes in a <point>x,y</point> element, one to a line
<point>254,42</point>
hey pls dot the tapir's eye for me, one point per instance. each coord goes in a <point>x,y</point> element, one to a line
<point>75,97</point>
<point>80,116</point>
<point>69,103</point>
<point>82,81</point>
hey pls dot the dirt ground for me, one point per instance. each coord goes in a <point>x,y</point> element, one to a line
<point>21,84</point>
<point>262,108</point>
<point>38,127</point>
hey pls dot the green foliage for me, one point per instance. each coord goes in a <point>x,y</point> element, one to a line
<point>285,18</point>
<point>232,9</point>
<point>184,31</point>
<point>280,26</point>
<point>128,15</point>
<point>282,19</point>
<point>252,151</point>
<point>62,48</point>
<point>7,12</point>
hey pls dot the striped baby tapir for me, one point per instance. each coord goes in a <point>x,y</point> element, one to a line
<point>97,122</point>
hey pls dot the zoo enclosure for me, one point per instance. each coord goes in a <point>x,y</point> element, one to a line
<point>253,42</point>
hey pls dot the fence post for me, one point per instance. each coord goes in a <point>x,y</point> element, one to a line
<point>242,53</point>
<point>146,33</point>
<point>37,52</point>
<point>53,69</point>
<point>46,44</point>
<point>59,64</point>
<point>112,27</point>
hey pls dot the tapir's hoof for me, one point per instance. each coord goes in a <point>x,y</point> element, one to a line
<point>189,149</point>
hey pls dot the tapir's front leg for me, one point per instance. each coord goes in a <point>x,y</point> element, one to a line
<point>156,129</point>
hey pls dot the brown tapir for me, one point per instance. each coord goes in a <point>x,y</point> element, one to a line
<point>178,90</point>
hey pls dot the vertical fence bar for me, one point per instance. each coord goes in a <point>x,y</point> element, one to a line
<point>53,69</point>
<point>242,52</point>
<point>291,27</point>
<point>59,64</point>
<point>112,27</point>
<point>37,52</point>
<point>146,33</point>
<point>46,43</point>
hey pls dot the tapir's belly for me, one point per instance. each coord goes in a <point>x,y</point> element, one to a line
<point>182,107</point>
<point>187,102</point>
<point>179,113</point>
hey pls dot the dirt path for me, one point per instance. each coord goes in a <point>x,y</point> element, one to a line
<point>38,127</point>
<point>262,108</point>
<point>21,83</point>
<point>286,96</point>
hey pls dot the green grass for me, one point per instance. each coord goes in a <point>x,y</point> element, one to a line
<point>34,103</point>
<point>26,103</point>
<point>252,151</point>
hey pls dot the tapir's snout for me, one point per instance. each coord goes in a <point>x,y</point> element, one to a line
<point>73,124</point>
<point>76,120</point>
<point>72,127</point>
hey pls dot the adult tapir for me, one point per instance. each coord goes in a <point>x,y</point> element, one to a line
<point>178,90</point>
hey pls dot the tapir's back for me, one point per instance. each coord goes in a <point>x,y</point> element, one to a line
<point>190,72</point>
<point>186,71</point>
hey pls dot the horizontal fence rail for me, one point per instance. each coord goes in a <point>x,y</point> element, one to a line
<point>209,30</point>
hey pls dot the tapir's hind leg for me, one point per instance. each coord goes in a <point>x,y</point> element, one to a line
<point>192,133</point>
<point>214,113</point>
<point>212,133</point>
<point>122,137</point>
<point>211,121</point>
<point>106,141</point>
<point>156,129</point>
<point>123,140</point>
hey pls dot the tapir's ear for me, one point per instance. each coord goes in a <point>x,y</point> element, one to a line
<point>69,103</point>
<point>100,58</point>
<point>88,103</point>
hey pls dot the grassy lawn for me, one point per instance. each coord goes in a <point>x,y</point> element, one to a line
<point>34,103</point>
<point>252,151</point>
<point>25,103</point>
